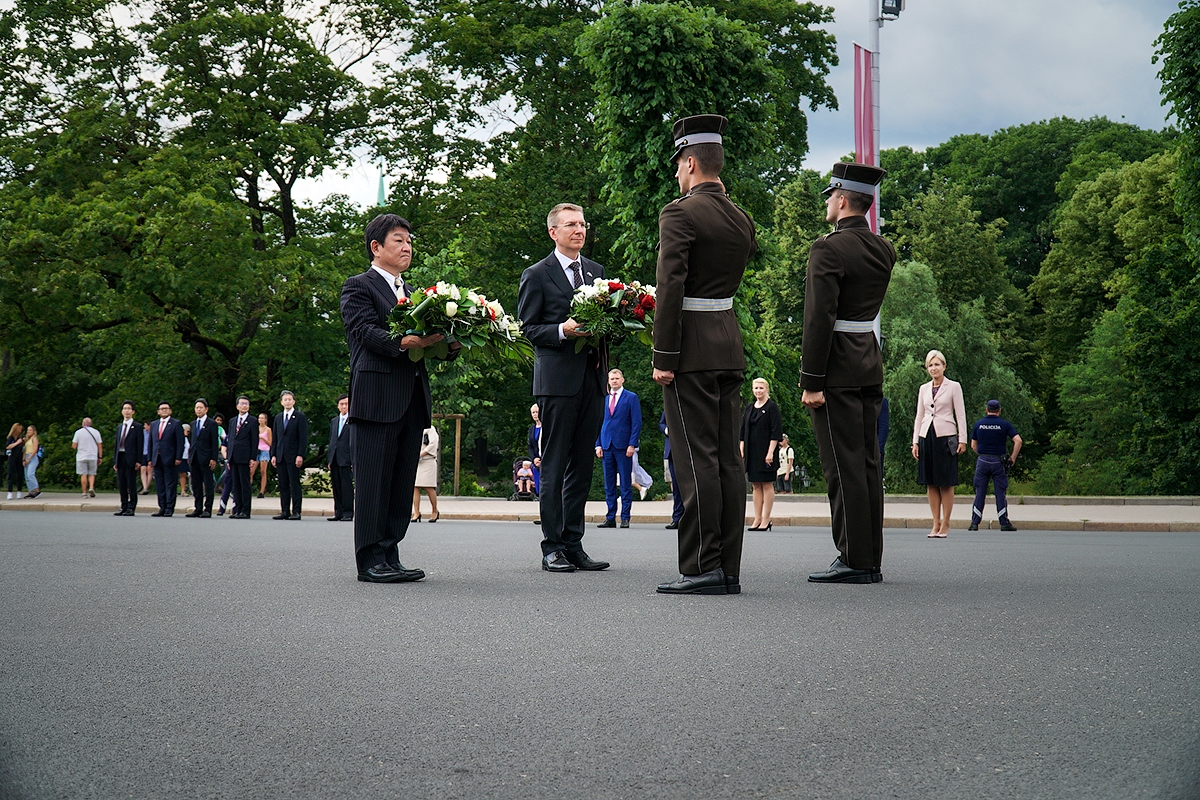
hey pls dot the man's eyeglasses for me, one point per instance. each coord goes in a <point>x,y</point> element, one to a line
<point>575,226</point>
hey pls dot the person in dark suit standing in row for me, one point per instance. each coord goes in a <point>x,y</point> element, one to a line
<point>569,388</point>
<point>390,403</point>
<point>705,241</point>
<point>241,446</point>
<point>842,369</point>
<point>127,458</point>
<point>340,458</point>
<point>620,437</point>
<point>166,451</point>
<point>289,444</point>
<point>203,460</point>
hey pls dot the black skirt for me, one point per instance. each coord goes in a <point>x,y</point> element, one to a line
<point>937,464</point>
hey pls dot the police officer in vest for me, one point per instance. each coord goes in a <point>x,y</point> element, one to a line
<point>989,438</point>
<point>842,369</point>
<point>704,243</point>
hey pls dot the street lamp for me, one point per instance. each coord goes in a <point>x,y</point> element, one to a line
<point>890,9</point>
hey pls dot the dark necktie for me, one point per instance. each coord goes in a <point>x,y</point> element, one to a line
<point>577,277</point>
<point>124,433</point>
<point>286,417</point>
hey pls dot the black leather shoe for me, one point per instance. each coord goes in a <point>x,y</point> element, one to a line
<point>169,514</point>
<point>557,562</point>
<point>348,519</point>
<point>704,583</point>
<point>974,526</point>
<point>380,573</point>
<point>583,561</point>
<point>876,575</point>
<point>282,516</point>
<point>239,516</point>
<point>206,515</point>
<point>672,526</point>
<point>732,584</point>
<point>407,574</point>
<point>295,516</point>
<point>608,523</point>
<point>158,514</point>
<point>333,519</point>
<point>624,523</point>
<point>119,514</point>
<point>221,511</point>
<point>193,514</point>
<point>1007,526</point>
<point>840,573</point>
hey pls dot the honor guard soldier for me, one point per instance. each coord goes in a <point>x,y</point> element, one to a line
<point>841,369</point>
<point>704,243</point>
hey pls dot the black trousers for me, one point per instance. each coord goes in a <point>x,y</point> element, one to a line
<point>288,475</point>
<point>846,430</point>
<point>570,426</point>
<point>342,477</point>
<point>166,483</point>
<point>385,471</point>
<point>240,477</point>
<point>203,485</point>
<point>127,481</point>
<point>704,416</point>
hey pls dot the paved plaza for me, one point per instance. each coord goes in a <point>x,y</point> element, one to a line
<point>185,658</point>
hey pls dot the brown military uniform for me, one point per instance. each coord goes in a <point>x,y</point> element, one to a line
<point>848,274</point>
<point>704,243</point>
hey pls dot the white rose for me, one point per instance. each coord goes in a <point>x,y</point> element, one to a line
<point>451,308</point>
<point>455,293</point>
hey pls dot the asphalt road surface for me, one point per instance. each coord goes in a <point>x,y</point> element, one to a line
<point>179,658</point>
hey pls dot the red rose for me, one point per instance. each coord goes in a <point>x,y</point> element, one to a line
<point>647,302</point>
<point>639,314</point>
<point>615,286</point>
<point>401,300</point>
<point>431,291</point>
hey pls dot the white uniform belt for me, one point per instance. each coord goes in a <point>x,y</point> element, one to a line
<point>854,326</point>
<point>707,303</point>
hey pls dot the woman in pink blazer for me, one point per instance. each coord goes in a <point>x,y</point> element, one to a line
<point>939,437</point>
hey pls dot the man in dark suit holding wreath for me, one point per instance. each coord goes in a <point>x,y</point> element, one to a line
<point>568,385</point>
<point>390,403</point>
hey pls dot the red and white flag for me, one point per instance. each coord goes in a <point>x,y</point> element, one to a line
<point>864,120</point>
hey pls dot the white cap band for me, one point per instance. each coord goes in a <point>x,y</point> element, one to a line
<point>698,138</point>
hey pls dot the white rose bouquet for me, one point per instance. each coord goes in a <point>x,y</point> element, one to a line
<point>466,316</point>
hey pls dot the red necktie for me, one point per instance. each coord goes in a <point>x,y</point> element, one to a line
<point>124,432</point>
<point>612,403</point>
<point>161,425</point>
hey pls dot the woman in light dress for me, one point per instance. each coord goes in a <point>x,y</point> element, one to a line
<point>427,475</point>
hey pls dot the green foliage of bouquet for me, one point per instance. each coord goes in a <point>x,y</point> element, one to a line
<point>608,308</point>
<point>465,316</point>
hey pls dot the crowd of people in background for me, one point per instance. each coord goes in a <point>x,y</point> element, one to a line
<point>204,459</point>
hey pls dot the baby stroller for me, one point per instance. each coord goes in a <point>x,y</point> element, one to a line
<point>517,493</point>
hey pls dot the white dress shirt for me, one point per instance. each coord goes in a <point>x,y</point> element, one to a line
<point>565,262</point>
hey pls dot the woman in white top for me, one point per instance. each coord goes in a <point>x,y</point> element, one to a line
<point>939,437</point>
<point>427,475</point>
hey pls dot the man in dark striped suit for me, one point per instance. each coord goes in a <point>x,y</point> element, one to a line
<point>390,403</point>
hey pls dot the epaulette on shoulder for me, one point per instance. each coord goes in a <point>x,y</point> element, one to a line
<point>679,200</point>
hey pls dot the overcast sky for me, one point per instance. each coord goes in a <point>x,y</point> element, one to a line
<point>965,66</point>
<point>974,66</point>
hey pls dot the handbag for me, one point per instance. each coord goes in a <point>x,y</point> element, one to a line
<point>952,445</point>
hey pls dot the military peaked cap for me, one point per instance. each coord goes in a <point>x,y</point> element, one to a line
<point>854,178</point>
<point>699,129</point>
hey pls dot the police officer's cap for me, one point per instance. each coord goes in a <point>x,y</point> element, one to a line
<point>699,129</point>
<point>993,405</point>
<point>861,178</point>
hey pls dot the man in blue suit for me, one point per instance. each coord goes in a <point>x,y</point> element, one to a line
<point>166,451</point>
<point>620,434</point>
